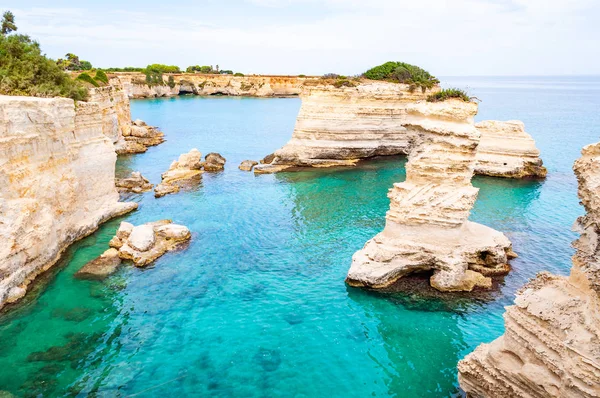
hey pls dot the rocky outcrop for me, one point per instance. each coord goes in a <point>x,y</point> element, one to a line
<point>145,243</point>
<point>183,173</point>
<point>135,183</point>
<point>551,344</point>
<point>214,162</point>
<point>128,136</point>
<point>506,150</point>
<point>135,85</point>
<point>57,175</point>
<point>247,165</point>
<point>427,227</point>
<point>338,126</point>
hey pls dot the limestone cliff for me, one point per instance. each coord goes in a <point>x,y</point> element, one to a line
<point>506,150</point>
<point>135,85</point>
<point>57,172</point>
<point>341,125</point>
<point>128,136</point>
<point>551,344</point>
<point>427,227</point>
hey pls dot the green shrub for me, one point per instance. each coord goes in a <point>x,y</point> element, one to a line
<point>343,83</point>
<point>402,72</point>
<point>160,68</point>
<point>101,77</point>
<point>84,77</point>
<point>226,72</point>
<point>24,70</point>
<point>125,69</point>
<point>301,75</point>
<point>238,74</point>
<point>171,82</point>
<point>448,93</point>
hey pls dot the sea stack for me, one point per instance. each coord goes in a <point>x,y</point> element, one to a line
<point>551,344</point>
<point>427,227</point>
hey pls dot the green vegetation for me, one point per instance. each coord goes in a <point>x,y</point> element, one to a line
<point>202,69</point>
<point>402,72</point>
<point>160,68</point>
<point>24,70</point>
<point>72,62</point>
<point>171,81</point>
<point>101,77</point>
<point>301,75</point>
<point>238,74</point>
<point>125,69</point>
<point>84,77</point>
<point>226,72</point>
<point>343,82</point>
<point>448,93</point>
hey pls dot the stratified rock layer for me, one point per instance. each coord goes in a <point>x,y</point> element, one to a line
<point>128,136</point>
<point>57,172</point>
<point>551,344</point>
<point>427,227</point>
<point>338,126</point>
<point>135,85</point>
<point>135,183</point>
<point>506,150</point>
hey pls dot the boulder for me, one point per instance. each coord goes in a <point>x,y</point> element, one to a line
<point>135,183</point>
<point>184,172</point>
<point>141,238</point>
<point>124,230</point>
<point>247,165</point>
<point>214,162</point>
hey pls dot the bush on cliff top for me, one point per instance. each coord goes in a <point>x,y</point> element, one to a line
<point>448,93</point>
<point>84,77</point>
<point>24,70</point>
<point>101,77</point>
<point>402,72</point>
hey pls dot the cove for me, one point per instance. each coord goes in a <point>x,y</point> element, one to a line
<point>256,304</point>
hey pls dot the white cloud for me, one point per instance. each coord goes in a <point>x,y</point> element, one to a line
<point>347,36</point>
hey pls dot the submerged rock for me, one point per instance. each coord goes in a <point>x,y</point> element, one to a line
<point>182,173</point>
<point>247,165</point>
<point>100,267</point>
<point>214,162</point>
<point>135,183</point>
<point>551,343</point>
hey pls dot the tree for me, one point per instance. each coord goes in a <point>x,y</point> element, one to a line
<point>8,23</point>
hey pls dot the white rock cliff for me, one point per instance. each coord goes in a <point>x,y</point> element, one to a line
<point>551,344</point>
<point>57,172</point>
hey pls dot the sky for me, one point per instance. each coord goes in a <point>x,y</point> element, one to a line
<point>313,37</point>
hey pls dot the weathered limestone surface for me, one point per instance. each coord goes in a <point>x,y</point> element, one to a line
<point>211,84</point>
<point>100,267</point>
<point>214,162</point>
<point>145,243</point>
<point>340,126</point>
<point>551,344</point>
<point>57,184</point>
<point>506,150</point>
<point>427,227</point>
<point>184,172</point>
<point>135,183</point>
<point>128,136</point>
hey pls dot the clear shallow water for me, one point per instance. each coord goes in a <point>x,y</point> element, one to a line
<point>256,304</point>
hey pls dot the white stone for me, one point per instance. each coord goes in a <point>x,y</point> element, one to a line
<point>141,238</point>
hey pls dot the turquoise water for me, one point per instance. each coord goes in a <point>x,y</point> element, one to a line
<point>256,304</point>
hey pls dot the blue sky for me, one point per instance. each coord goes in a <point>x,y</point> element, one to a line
<point>447,37</point>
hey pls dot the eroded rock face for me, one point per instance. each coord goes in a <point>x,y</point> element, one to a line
<point>135,85</point>
<point>57,172</point>
<point>427,227</point>
<point>340,126</point>
<point>183,173</point>
<point>551,344</point>
<point>135,183</point>
<point>145,243</point>
<point>506,150</point>
<point>128,137</point>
